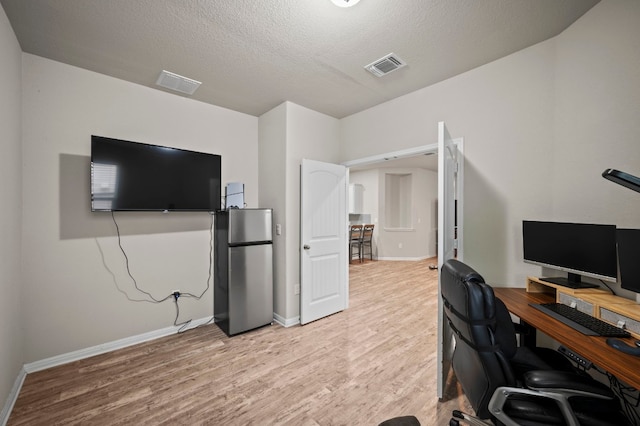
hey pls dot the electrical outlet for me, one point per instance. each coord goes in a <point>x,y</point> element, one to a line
<point>296,289</point>
<point>400,245</point>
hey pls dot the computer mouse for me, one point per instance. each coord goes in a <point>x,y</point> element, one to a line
<point>623,347</point>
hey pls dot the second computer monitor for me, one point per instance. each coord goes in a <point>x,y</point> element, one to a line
<point>629,258</point>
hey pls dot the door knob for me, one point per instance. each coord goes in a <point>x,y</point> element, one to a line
<point>306,247</point>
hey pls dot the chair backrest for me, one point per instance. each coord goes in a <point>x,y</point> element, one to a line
<point>355,233</point>
<point>485,339</point>
<point>367,232</point>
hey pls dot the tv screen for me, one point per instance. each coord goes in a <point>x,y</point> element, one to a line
<point>577,248</point>
<point>629,258</point>
<point>140,177</point>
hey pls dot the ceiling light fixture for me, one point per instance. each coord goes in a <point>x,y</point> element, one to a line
<point>344,3</point>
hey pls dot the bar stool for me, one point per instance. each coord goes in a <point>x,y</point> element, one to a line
<point>366,241</point>
<point>355,236</point>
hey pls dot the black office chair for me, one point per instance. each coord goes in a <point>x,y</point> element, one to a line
<point>513,385</point>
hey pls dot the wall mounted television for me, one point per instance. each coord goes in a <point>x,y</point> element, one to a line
<point>133,176</point>
<point>580,249</point>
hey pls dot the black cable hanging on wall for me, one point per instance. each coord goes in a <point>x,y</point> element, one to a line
<point>176,295</point>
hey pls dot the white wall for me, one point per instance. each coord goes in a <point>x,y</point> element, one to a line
<point>504,112</point>
<point>313,136</point>
<point>369,181</point>
<point>539,126</point>
<point>71,299</point>
<point>11,327</point>
<point>288,134</point>
<point>272,167</point>
<point>597,114</point>
<point>419,241</point>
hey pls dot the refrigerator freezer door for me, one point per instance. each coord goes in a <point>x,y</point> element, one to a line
<point>249,225</point>
<point>250,287</point>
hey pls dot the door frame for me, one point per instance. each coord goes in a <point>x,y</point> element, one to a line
<point>455,148</point>
<point>395,155</point>
<point>412,152</point>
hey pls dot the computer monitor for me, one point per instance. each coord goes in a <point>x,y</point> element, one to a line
<point>629,258</point>
<point>580,249</point>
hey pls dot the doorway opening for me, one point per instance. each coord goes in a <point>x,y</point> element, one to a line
<point>397,192</point>
<point>449,220</point>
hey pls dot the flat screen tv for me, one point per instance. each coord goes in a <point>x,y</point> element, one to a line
<point>629,258</point>
<point>580,249</point>
<point>132,176</point>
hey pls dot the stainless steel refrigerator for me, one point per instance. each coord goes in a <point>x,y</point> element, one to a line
<point>243,253</point>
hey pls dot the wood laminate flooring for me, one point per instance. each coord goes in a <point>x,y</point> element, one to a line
<point>371,362</point>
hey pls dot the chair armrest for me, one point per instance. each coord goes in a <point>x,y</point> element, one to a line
<point>503,393</point>
<point>566,382</point>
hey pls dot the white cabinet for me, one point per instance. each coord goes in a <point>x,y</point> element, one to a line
<point>356,192</point>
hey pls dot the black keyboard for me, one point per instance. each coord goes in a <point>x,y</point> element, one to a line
<point>584,323</point>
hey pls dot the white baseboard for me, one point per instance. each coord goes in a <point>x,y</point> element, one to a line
<point>106,347</point>
<point>406,258</point>
<point>82,354</point>
<point>57,360</point>
<point>13,396</point>
<point>286,322</point>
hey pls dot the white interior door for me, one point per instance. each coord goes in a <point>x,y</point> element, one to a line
<point>324,284</point>
<point>450,174</point>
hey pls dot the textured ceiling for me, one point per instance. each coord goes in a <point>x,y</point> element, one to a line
<point>251,55</point>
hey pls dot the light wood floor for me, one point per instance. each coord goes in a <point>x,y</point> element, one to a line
<point>373,361</point>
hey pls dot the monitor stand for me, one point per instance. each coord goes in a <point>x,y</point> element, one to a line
<point>571,281</point>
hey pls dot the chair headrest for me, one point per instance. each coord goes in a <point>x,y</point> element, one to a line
<point>462,271</point>
<point>462,286</point>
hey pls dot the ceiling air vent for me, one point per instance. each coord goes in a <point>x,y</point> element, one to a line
<point>385,65</point>
<point>177,82</point>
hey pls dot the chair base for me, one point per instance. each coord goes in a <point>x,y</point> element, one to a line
<point>467,419</point>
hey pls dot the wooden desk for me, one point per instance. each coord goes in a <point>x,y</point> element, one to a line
<point>625,367</point>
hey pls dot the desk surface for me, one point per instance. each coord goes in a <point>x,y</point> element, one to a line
<point>625,367</point>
